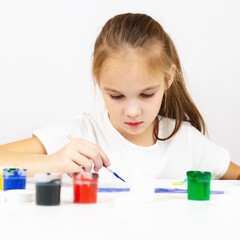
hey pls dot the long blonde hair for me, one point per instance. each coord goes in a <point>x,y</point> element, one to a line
<point>142,33</point>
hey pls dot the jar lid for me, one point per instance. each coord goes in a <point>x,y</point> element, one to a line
<point>14,172</point>
<point>19,195</point>
<point>198,175</point>
<point>85,176</point>
<point>46,177</point>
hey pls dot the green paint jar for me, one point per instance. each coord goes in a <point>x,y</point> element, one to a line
<point>198,185</point>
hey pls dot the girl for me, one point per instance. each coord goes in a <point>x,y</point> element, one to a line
<point>150,125</point>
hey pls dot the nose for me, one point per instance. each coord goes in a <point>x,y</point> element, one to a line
<point>132,109</point>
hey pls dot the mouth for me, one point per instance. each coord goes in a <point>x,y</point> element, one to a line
<point>133,124</point>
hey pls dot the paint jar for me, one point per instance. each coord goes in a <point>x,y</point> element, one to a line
<point>48,188</point>
<point>198,185</point>
<point>19,195</point>
<point>1,182</point>
<point>14,178</point>
<point>85,187</point>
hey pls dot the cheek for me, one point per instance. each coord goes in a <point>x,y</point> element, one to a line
<point>160,98</point>
<point>107,102</point>
<point>157,102</point>
<point>111,106</point>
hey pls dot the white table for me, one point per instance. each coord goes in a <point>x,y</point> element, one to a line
<point>167,216</point>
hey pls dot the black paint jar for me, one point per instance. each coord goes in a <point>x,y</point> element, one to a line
<point>48,189</point>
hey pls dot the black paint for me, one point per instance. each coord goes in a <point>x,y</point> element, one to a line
<point>48,193</point>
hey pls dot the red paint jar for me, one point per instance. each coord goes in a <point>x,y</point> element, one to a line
<point>85,187</point>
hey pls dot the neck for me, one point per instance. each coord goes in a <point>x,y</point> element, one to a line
<point>141,140</point>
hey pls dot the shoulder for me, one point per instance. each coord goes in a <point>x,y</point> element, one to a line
<point>78,125</point>
<point>186,130</point>
<point>198,150</point>
<point>93,120</point>
<point>54,136</point>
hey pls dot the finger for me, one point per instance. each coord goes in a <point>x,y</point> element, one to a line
<point>97,167</point>
<point>98,164</point>
<point>94,146</point>
<point>74,167</point>
<point>83,161</point>
<point>92,151</point>
<point>104,157</point>
<point>93,154</point>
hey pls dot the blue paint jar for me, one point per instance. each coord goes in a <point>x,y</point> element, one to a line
<point>14,178</point>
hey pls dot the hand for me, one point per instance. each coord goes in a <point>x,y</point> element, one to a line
<point>78,156</point>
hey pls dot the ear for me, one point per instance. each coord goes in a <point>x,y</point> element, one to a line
<point>169,79</point>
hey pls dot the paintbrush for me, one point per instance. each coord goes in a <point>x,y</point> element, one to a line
<point>111,171</point>
<point>108,168</point>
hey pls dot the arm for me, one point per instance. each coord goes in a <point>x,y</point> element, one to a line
<point>29,153</point>
<point>30,145</point>
<point>75,156</point>
<point>232,173</point>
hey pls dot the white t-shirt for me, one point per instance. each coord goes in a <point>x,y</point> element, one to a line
<point>187,150</point>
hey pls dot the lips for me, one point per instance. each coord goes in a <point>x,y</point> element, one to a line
<point>133,124</point>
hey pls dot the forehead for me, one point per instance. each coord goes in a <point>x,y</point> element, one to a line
<point>129,69</point>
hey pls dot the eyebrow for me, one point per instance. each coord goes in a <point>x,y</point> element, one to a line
<point>143,90</point>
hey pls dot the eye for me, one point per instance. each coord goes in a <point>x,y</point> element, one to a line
<point>147,95</point>
<point>116,97</point>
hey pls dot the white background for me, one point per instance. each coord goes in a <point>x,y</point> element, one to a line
<point>45,60</point>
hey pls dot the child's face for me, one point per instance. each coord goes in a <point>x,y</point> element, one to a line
<point>132,97</point>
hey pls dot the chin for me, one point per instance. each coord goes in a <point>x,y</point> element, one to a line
<point>134,131</point>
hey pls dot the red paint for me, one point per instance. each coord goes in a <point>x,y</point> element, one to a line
<point>85,187</point>
<point>134,124</point>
